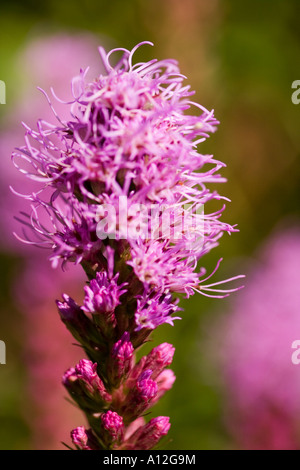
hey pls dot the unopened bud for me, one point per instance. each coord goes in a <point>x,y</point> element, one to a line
<point>148,436</point>
<point>84,439</point>
<point>159,358</point>
<point>113,428</point>
<point>120,362</point>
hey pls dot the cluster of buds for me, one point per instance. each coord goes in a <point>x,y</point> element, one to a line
<point>128,140</point>
<point>114,409</point>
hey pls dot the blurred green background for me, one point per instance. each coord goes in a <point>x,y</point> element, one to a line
<point>241,57</point>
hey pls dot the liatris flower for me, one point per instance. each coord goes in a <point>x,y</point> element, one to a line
<point>122,193</point>
<point>102,295</point>
<point>261,382</point>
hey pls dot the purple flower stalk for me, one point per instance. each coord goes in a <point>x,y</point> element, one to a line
<point>255,353</point>
<point>123,189</point>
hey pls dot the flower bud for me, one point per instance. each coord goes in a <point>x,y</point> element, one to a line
<point>140,396</point>
<point>112,428</point>
<point>148,436</point>
<point>86,387</point>
<point>120,361</point>
<point>84,439</point>
<point>159,358</point>
<point>78,323</point>
<point>69,378</point>
<point>145,386</point>
<point>87,372</point>
<point>165,382</point>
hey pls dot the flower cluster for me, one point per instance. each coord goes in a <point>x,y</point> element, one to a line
<point>128,136</point>
<point>133,389</point>
<point>255,350</point>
